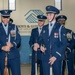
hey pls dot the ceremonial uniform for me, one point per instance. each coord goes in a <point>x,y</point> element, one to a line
<point>9,33</point>
<point>69,56</point>
<point>68,62</point>
<point>36,38</point>
<point>55,41</point>
<point>74,51</point>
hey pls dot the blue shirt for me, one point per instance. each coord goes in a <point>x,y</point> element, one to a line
<point>51,24</point>
<point>5,28</point>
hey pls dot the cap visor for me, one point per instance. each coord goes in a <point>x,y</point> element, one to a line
<point>50,12</point>
<point>6,16</point>
<point>41,20</point>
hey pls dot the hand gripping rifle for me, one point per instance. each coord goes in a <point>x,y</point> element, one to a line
<point>43,44</point>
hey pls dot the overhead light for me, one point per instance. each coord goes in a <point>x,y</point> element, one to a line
<point>58,4</point>
<point>12,4</point>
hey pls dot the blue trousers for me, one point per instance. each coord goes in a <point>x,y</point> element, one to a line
<point>33,67</point>
<point>13,64</point>
<point>38,63</point>
<point>69,65</point>
<point>57,68</point>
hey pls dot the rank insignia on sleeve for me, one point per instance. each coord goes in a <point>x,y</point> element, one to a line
<point>43,31</point>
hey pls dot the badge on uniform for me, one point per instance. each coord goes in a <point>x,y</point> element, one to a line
<point>43,31</point>
<point>13,33</point>
<point>55,35</point>
<point>69,36</point>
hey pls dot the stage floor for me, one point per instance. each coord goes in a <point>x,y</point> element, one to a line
<point>26,69</point>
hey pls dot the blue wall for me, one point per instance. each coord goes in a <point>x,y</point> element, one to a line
<point>25,49</point>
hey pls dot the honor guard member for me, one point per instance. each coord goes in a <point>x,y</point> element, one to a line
<point>9,41</point>
<point>74,52</point>
<point>55,41</point>
<point>68,62</point>
<point>35,40</point>
<point>11,20</point>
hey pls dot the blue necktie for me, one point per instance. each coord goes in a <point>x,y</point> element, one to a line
<point>50,24</point>
<point>5,25</point>
<point>40,30</point>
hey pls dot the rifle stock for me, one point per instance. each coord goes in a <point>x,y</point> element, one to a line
<point>36,60</point>
<point>51,71</point>
<point>6,72</point>
<point>43,44</point>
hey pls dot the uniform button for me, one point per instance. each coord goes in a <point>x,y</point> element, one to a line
<point>48,39</point>
<point>7,38</point>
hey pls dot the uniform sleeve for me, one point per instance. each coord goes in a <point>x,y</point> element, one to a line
<point>31,41</point>
<point>1,44</point>
<point>70,45</point>
<point>60,48</point>
<point>17,40</point>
